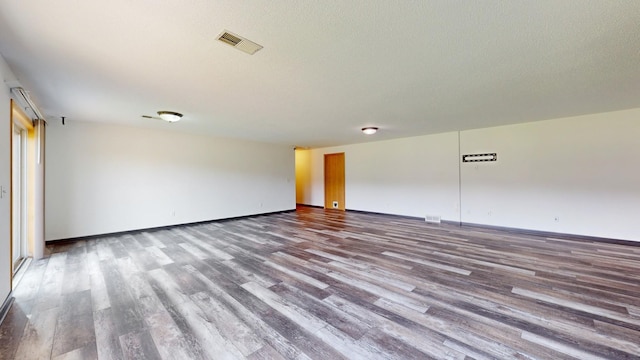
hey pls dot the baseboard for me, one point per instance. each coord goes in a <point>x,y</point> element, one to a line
<point>157,228</point>
<point>386,214</point>
<point>446,222</point>
<point>6,306</point>
<point>538,233</point>
<point>519,231</point>
<point>311,206</point>
<point>547,234</point>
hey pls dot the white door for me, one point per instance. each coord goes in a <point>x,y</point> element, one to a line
<point>19,245</point>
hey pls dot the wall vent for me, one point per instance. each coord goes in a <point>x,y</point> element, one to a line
<point>434,219</point>
<point>239,42</point>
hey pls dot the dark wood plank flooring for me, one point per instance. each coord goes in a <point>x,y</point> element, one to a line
<point>316,284</point>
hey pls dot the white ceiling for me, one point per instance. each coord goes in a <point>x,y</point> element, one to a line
<point>328,68</point>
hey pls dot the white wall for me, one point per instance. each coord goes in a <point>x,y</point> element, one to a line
<point>5,182</point>
<point>103,178</point>
<point>414,176</point>
<point>582,170</point>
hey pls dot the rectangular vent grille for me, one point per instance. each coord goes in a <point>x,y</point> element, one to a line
<point>230,39</point>
<point>238,42</point>
<point>434,219</point>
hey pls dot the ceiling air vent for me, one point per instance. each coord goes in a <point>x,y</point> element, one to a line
<point>239,42</point>
<point>229,39</point>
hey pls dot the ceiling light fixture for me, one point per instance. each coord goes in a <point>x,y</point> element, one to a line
<point>169,116</point>
<point>369,130</point>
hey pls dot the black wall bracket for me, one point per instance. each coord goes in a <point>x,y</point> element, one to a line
<point>480,157</point>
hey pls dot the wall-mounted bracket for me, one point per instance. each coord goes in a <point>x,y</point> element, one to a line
<point>480,157</point>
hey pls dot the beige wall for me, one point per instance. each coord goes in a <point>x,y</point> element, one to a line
<point>415,176</point>
<point>576,175</point>
<point>581,170</point>
<point>109,178</point>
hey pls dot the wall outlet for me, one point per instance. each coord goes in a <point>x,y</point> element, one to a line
<point>173,213</point>
<point>335,204</point>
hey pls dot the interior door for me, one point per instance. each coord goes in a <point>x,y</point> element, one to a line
<point>334,181</point>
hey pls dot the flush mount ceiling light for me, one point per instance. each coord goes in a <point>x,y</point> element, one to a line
<point>369,130</point>
<point>169,116</point>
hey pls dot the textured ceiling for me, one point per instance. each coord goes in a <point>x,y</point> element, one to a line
<point>328,68</point>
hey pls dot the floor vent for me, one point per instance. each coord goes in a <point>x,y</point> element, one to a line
<point>239,42</point>
<point>434,219</point>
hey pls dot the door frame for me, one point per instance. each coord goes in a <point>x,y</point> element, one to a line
<point>18,119</point>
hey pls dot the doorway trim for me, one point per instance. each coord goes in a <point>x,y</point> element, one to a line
<point>20,122</point>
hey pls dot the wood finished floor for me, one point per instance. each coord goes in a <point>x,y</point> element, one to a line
<point>327,285</point>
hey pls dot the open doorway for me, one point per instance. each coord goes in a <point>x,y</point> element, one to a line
<point>309,179</point>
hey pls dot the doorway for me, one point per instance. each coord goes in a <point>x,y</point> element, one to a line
<point>334,181</point>
<point>18,197</point>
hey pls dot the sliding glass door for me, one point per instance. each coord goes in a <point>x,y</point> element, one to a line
<point>18,196</point>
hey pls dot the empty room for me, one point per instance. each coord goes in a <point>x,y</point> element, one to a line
<point>377,179</point>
